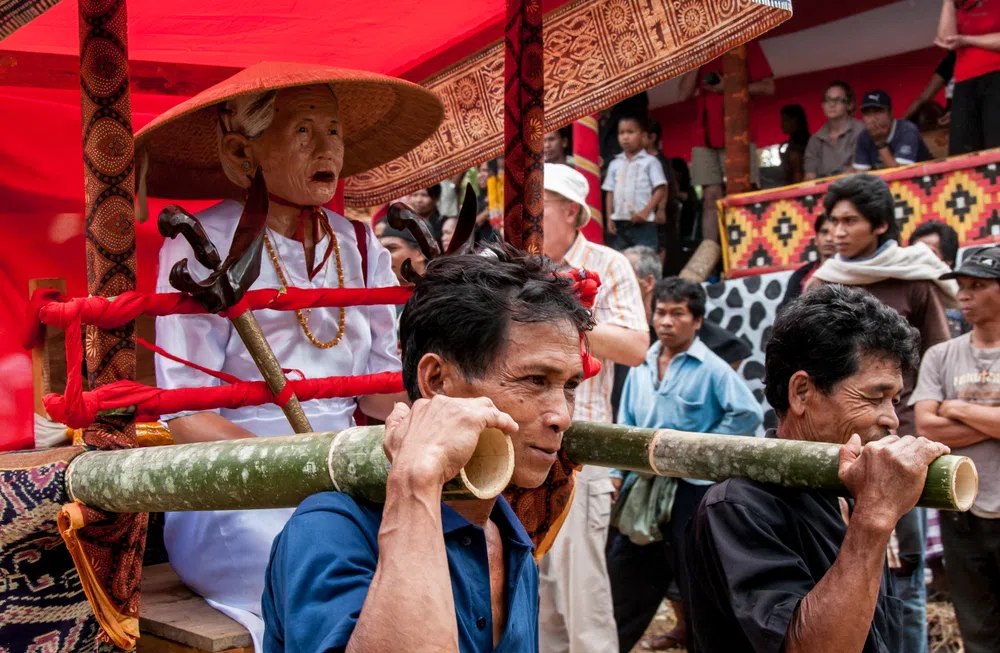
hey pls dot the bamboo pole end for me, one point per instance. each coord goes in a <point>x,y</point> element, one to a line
<point>491,467</point>
<point>965,484</point>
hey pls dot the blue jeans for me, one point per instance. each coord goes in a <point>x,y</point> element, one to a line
<point>628,234</point>
<point>911,532</point>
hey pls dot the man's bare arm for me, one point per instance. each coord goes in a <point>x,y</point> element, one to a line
<point>765,86</point>
<point>985,419</point>
<point>689,84</point>
<point>206,427</point>
<point>379,406</point>
<point>943,429</point>
<point>410,605</point>
<point>620,344</point>
<point>887,157</point>
<point>836,615</point>
<point>948,22</point>
<point>886,480</point>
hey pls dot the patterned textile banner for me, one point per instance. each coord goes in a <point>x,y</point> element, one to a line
<point>773,228</point>
<point>587,161</point>
<point>596,52</point>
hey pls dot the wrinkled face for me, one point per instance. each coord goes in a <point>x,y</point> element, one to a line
<point>554,147</point>
<point>824,241</point>
<point>302,151</point>
<point>421,202</point>
<point>934,242</point>
<point>853,235</point>
<point>674,324</point>
<point>533,381</point>
<point>629,135</point>
<point>863,403</point>
<point>835,104</point>
<point>878,122</point>
<point>558,224</point>
<point>400,250</point>
<point>979,299</point>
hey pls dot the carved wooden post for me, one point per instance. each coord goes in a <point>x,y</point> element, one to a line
<point>736,112</point>
<point>524,125</point>
<point>109,182</point>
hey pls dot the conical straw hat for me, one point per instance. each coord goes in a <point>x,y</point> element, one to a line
<point>382,118</point>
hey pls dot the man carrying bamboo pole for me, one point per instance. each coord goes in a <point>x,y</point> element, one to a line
<point>488,341</point>
<point>775,569</point>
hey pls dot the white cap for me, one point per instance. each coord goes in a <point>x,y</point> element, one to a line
<point>571,184</point>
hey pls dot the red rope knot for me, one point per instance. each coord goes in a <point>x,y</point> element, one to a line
<point>237,309</point>
<point>34,326</point>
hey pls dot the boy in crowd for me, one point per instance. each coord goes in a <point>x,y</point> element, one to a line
<point>636,185</point>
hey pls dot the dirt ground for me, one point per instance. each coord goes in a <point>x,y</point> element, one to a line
<point>942,629</point>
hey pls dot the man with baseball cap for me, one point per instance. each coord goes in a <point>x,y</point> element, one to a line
<point>957,402</point>
<point>575,608</point>
<point>887,142</point>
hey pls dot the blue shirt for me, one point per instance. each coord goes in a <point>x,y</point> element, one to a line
<point>700,393</point>
<point>904,141</point>
<point>323,561</point>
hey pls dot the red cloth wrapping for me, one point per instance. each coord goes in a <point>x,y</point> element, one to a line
<point>152,402</point>
<point>49,307</point>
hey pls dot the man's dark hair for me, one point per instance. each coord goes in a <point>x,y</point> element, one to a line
<point>435,192</point>
<point>677,290</point>
<point>848,91</point>
<point>656,130</point>
<point>463,307</point>
<point>641,121</point>
<point>948,236</point>
<point>871,196</point>
<point>820,221</point>
<point>825,332</point>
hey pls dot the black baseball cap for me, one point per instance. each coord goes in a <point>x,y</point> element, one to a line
<point>402,234</point>
<point>983,264</point>
<point>876,99</point>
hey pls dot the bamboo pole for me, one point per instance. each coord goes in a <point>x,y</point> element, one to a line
<point>282,471</point>
<point>952,481</point>
<point>274,472</point>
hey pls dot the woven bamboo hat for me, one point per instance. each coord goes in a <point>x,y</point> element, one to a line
<point>382,118</point>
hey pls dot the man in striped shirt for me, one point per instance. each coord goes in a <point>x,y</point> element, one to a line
<point>575,611</point>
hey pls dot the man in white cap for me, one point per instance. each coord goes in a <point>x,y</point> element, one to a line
<point>575,612</point>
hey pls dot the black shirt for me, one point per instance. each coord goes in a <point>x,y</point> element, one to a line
<point>754,552</point>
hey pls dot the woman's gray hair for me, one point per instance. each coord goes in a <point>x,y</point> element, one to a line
<point>248,115</point>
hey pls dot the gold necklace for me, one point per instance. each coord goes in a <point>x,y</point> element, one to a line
<point>303,319</point>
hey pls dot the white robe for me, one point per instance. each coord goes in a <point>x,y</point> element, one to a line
<point>223,555</point>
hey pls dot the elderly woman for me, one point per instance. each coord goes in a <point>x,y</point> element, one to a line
<point>304,127</point>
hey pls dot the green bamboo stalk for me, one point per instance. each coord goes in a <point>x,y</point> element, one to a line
<point>273,472</point>
<point>952,481</point>
<point>279,472</point>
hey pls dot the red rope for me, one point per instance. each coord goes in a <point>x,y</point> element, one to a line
<point>50,307</point>
<point>150,403</point>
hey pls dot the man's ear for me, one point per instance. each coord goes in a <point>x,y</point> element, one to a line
<point>698,321</point>
<point>436,376</point>
<point>801,391</point>
<point>881,229</point>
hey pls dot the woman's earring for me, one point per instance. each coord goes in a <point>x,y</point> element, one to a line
<point>246,166</point>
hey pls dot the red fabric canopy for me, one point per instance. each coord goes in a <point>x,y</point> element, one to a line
<point>596,52</point>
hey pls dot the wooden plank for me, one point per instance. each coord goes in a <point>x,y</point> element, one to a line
<point>172,612</point>
<point>48,361</point>
<point>153,644</point>
<point>145,328</point>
